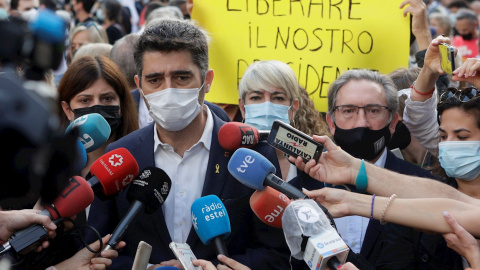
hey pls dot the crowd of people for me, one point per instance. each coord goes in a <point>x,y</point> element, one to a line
<point>401,159</point>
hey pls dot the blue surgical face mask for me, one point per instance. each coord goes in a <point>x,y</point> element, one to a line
<point>460,159</point>
<point>3,14</point>
<point>261,116</point>
<point>100,15</point>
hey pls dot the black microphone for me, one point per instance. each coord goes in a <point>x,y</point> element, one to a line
<point>146,194</point>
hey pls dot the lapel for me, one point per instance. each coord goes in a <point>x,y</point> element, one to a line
<point>147,158</point>
<point>374,228</point>
<point>216,175</point>
<point>136,96</point>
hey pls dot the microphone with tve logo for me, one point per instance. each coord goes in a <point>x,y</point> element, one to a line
<point>73,199</point>
<point>268,205</point>
<point>255,171</point>
<point>146,194</point>
<point>210,221</point>
<point>234,135</point>
<point>93,130</point>
<point>310,237</point>
<point>113,171</point>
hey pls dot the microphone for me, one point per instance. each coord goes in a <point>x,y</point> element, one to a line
<point>81,160</point>
<point>113,171</point>
<point>234,135</point>
<point>93,130</point>
<point>211,222</point>
<point>269,205</point>
<point>310,237</point>
<point>255,171</point>
<point>73,199</point>
<point>146,194</point>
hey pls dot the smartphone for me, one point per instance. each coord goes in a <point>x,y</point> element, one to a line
<point>185,255</point>
<point>294,142</point>
<point>447,54</point>
<point>142,256</point>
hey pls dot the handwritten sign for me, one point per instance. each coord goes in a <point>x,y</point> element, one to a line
<point>319,39</point>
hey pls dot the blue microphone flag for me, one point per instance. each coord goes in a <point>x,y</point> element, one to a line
<point>210,218</point>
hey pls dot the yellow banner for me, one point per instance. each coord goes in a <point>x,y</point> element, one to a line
<point>319,39</point>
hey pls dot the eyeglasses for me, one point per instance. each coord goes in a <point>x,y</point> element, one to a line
<point>372,112</point>
<point>462,95</point>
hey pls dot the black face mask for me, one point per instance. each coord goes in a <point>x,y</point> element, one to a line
<point>362,142</point>
<point>468,36</point>
<point>400,138</point>
<point>110,113</point>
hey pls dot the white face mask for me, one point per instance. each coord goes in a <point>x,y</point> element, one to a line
<point>174,109</point>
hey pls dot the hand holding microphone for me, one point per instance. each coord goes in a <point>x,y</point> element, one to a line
<point>73,199</point>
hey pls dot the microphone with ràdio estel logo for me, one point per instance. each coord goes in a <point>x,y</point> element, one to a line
<point>210,221</point>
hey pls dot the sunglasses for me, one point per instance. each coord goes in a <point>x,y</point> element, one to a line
<point>462,95</point>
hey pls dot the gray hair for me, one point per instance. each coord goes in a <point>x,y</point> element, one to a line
<point>165,12</point>
<point>444,21</point>
<point>122,55</point>
<point>464,13</point>
<point>363,74</point>
<point>265,74</point>
<point>93,49</point>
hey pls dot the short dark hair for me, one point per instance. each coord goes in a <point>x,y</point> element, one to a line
<point>166,35</point>
<point>87,4</point>
<point>112,9</point>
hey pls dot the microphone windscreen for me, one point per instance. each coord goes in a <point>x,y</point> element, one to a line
<point>250,168</point>
<point>303,218</point>
<point>115,170</point>
<point>73,199</point>
<point>210,218</point>
<point>81,160</point>
<point>151,188</point>
<point>93,130</point>
<point>234,135</point>
<point>268,205</point>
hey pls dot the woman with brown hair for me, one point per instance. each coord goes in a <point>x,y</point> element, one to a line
<point>95,84</point>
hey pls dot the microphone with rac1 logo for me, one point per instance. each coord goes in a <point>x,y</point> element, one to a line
<point>93,130</point>
<point>234,135</point>
<point>146,194</point>
<point>210,221</point>
<point>310,236</point>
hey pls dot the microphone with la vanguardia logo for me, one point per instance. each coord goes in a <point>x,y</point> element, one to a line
<point>93,130</point>
<point>146,194</point>
<point>210,221</point>
<point>310,236</point>
<point>113,171</point>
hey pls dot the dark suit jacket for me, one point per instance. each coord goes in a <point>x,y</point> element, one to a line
<point>251,242</point>
<point>213,107</point>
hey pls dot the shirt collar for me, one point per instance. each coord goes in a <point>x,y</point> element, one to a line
<point>382,159</point>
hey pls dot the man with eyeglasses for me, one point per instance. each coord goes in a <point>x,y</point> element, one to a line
<point>362,116</point>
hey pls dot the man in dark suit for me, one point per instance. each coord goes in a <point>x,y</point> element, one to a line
<point>362,116</point>
<point>173,76</point>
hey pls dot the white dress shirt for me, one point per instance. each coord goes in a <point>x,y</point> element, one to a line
<point>187,175</point>
<point>352,229</point>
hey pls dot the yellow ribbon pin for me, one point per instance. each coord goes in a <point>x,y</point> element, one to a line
<point>217,167</point>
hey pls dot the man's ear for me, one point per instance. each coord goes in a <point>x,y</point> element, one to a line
<point>209,80</point>
<point>393,123</point>
<point>331,124</point>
